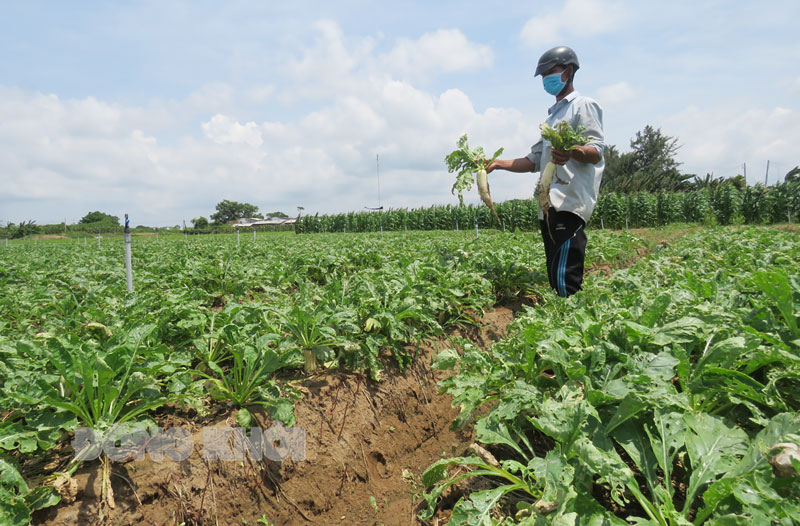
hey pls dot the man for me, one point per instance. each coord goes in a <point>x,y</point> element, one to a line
<point>573,191</point>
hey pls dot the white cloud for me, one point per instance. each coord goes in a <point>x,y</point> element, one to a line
<point>329,65</point>
<point>584,18</point>
<point>223,130</point>
<point>614,94</point>
<point>717,138</point>
<point>441,51</point>
<point>168,160</point>
<point>541,30</point>
<point>85,154</point>
<point>337,64</point>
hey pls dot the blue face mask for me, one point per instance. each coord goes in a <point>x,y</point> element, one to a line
<point>553,83</point>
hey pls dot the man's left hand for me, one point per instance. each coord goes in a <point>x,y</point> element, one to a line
<point>560,157</point>
<point>584,154</point>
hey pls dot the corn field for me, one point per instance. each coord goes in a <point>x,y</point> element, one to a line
<point>724,205</point>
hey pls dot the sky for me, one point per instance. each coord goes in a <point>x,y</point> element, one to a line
<point>161,109</point>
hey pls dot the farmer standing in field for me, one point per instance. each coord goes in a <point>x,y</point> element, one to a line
<point>574,188</point>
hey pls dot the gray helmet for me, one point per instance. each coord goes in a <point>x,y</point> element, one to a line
<point>558,56</point>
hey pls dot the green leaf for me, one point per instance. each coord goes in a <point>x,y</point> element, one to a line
<point>713,449</point>
<point>447,359</point>
<point>437,471</point>
<point>666,435</point>
<point>634,441</point>
<point>14,512</point>
<point>13,436</point>
<point>781,428</point>
<point>630,406</point>
<point>489,431</point>
<point>656,309</point>
<point>244,418</point>
<point>282,410</point>
<point>42,497</point>
<point>476,509</point>
<point>556,473</point>
<point>603,460</point>
<point>775,285</point>
<point>10,477</point>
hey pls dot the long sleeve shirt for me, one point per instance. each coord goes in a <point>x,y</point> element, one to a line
<point>575,185</point>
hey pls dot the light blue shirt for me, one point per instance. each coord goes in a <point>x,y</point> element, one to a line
<point>575,185</point>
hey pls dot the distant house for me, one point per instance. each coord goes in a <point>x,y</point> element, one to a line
<point>257,221</point>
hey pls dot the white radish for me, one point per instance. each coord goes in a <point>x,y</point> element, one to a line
<point>483,191</point>
<point>543,193</point>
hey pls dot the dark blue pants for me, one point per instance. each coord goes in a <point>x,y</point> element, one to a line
<point>565,249</point>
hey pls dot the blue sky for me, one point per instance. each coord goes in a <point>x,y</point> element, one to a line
<point>162,109</point>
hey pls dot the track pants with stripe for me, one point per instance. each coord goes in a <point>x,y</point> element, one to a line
<point>565,251</point>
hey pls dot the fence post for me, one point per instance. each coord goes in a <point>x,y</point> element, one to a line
<point>476,226</point>
<point>602,225</point>
<point>626,222</point>
<point>238,241</point>
<point>128,266</point>
<point>254,233</point>
<point>98,240</point>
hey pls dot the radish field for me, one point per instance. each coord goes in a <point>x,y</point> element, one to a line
<point>665,393</point>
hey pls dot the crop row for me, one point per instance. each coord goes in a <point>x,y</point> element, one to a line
<point>667,394</point>
<point>215,322</point>
<point>725,204</point>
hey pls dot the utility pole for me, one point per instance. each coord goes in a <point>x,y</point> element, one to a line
<point>378,174</point>
<point>744,168</point>
<point>766,175</point>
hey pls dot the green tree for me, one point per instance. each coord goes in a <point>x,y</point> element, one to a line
<point>650,166</point>
<point>24,229</point>
<point>738,181</point>
<point>200,222</point>
<point>99,217</point>
<point>276,214</point>
<point>228,211</point>
<point>792,175</point>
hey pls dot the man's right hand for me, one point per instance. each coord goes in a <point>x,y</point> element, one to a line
<point>521,165</point>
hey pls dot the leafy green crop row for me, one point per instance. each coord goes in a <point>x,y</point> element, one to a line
<point>213,322</point>
<point>656,396</point>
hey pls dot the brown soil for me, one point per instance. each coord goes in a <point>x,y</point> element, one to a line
<point>364,440</point>
<point>49,236</point>
<point>652,237</point>
<point>789,227</point>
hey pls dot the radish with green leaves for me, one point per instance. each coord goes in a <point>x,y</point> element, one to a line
<point>562,137</point>
<point>466,162</point>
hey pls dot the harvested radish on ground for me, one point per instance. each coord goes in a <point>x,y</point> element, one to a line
<point>466,162</point>
<point>563,138</point>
